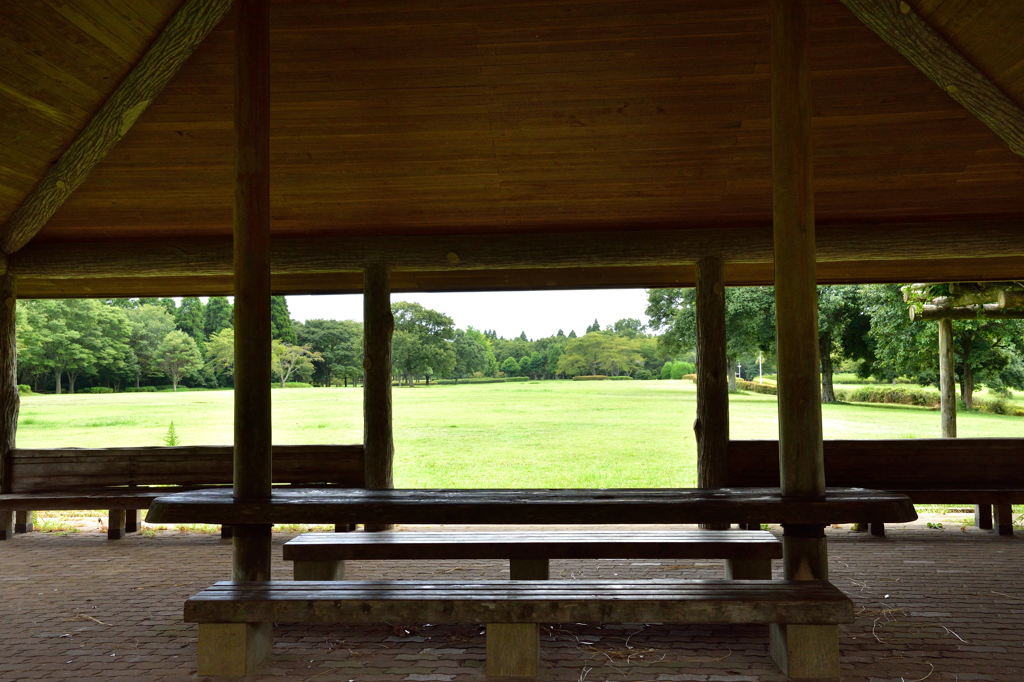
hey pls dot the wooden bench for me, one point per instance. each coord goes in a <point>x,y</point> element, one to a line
<point>322,556</point>
<point>974,471</point>
<point>125,480</point>
<point>511,610</point>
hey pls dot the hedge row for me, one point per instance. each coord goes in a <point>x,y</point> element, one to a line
<point>754,387</point>
<point>590,377</point>
<point>484,380</point>
<point>893,395</point>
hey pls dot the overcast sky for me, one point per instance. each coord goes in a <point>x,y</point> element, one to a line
<point>538,313</point>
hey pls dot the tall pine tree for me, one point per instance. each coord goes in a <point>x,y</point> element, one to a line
<point>189,319</point>
<point>219,314</point>
<point>281,326</point>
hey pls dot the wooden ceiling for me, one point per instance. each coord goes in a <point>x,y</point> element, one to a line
<point>483,117</point>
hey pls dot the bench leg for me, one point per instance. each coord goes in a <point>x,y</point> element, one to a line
<point>528,569</point>
<point>806,652</point>
<point>513,650</point>
<point>6,525</point>
<point>115,524</point>
<point>131,520</point>
<point>983,516</point>
<point>23,521</point>
<point>226,532</point>
<point>1002,520</point>
<point>748,569</point>
<point>344,527</point>
<point>320,570</point>
<point>877,529</point>
<point>233,649</point>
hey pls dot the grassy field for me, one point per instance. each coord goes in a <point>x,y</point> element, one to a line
<point>537,434</point>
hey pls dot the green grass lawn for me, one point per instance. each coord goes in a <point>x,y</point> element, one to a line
<point>538,434</point>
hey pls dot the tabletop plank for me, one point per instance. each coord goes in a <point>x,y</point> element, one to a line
<point>533,506</point>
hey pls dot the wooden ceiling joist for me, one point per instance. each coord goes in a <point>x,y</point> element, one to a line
<point>898,24</point>
<point>179,39</point>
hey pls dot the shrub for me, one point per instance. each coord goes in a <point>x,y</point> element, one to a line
<point>484,380</point>
<point>296,384</point>
<point>140,389</point>
<point>998,405</point>
<point>691,377</point>
<point>97,389</point>
<point>754,387</point>
<point>25,389</point>
<point>589,377</point>
<point>894,395</point>
<point>623,378</point>
<point>643,375</point>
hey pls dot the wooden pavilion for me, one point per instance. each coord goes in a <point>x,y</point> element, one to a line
<point>397,146</point>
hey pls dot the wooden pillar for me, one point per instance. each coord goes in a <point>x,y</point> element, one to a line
<point>10,402</point>
<point>378,326</point>
<point>240,648</point>
<point>947,378</point>
<point>712,424</point>
<point>801,651</point>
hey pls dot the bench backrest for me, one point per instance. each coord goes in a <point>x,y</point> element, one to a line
<point>65,469</point>
<point>902,464</point>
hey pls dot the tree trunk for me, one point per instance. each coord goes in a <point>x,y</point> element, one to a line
<point>967,385</point>
<point>345,380</point>
<point>57,392</point>
<point>828,393</point>
<point>71,382</point>
<point>408,379</point>
<point>732,374</point>
<point>428,379</point>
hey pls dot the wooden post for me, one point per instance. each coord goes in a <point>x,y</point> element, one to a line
<point>947,378</point>
<point>712,424</point>
<point>248,644</point>
<point>10,402</point>
<point>801,651</point>
<point>378,326</point>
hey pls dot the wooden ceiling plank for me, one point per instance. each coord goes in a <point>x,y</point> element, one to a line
<point>173,46</point>
<point>900,26</point>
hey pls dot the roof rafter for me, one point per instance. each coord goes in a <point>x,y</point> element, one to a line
<point>899,25</point>
<point>179,39</point>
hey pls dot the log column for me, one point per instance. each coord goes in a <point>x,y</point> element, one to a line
<point>712,424</point>
<point>10,402</point>
<point>378,327</point>
<point>801,651</point>
<point>237,649</point>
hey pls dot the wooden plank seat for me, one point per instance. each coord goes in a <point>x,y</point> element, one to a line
<point>510,610</point>
<point>534,506</point>
<point>322,556</point>
<point>972,471</point>
<point>125,480</point>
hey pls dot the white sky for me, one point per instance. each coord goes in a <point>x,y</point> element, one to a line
<point>538,313</point>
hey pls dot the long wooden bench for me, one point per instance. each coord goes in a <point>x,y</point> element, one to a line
<point>510,610</point>
<point>125,480</point>
<point>973,471</point>
<point>322,556</point>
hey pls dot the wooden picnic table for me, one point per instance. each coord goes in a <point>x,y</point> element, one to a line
<point>533,506</point>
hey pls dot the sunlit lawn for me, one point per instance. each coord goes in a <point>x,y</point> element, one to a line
<point>537,434</point>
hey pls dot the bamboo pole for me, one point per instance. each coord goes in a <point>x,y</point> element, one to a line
<point>378,326</point>
<point>801,651</point>
<point>712,424</point>
<point>252,460</point>
<point>10,402</point>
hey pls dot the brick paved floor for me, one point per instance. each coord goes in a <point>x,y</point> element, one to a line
<point>932,604</point>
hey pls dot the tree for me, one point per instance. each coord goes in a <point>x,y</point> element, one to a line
<point>749,321</point>
<point>510,367</point>
<point>484,339</point>
<point>597,351</point>
<point>110,343</point>
<point>179,356</point>
<point>522,336</point>
<point>470,355</point>
<point>842,323</point>
<point>149,325</point>
<point>219,314</point>
<point>288,360</point>
<point>281,326</point>
<point>572,333</point>
<point>189,318</point>
<point>594,327</point>
<point>340,345</point>
<point>421,344</point>
<point>220,351</point>
<point>629,327</point>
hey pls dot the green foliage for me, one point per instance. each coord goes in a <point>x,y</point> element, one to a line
<point>643,375</point>
<point>471,355</point>
<point>281,326</point>
<point>287,360</point>
<point>754,387</point>
<point>25,389</point>
<point>510,367</point>
<point>219,314</point>
<point>189,318</point>
<point>340,345</point>
<point>171,439</point>
<point>293,384</point>
<point>589,377</point>
<point>422,342</point>
<point>681,369</point>
<point>593,328</point>
<point>140,389</point>
<point>483,380</point>
<point>620,378</point>
<point>150,324</point>
<point>97,389</point>
<point>896,395</point>
<point>596,351</point>
<point>178,356</point>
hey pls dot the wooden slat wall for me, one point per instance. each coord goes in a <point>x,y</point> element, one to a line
<point>403,118</point>
<point>66,469</point>
<point>904,464</point>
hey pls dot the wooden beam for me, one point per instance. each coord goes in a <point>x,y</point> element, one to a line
<point>175,44</point>
<point>378,326</point>
<point>712,424</point>
<point>947,378</point>
<point>10,401</point>
<point>253,469</point>
<point>904,243</point>
<point>989,311</point>
<point>806,651</point>
<point>899,25</point>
